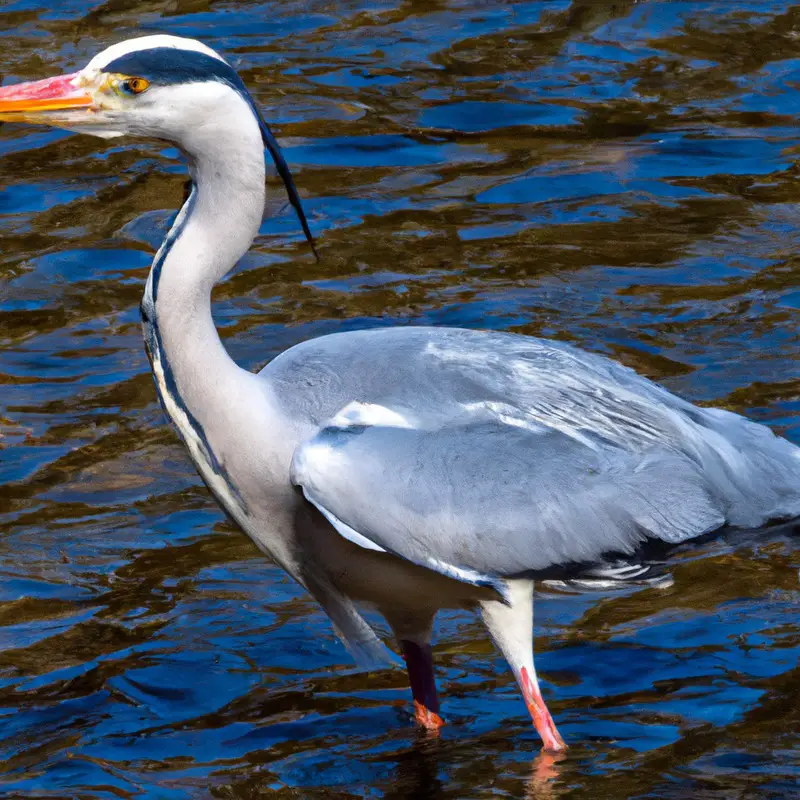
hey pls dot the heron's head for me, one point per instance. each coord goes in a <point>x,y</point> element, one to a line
<point>163,87</point>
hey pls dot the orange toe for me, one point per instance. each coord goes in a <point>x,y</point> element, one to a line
<point>429,720</point>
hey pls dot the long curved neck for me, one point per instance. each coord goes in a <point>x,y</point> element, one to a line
<point>198,383</point>
<point>213,230</point>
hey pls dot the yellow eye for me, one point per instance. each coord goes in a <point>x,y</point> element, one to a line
<point>134,85</point>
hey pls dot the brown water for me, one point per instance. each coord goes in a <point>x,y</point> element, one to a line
<point>619,174</point>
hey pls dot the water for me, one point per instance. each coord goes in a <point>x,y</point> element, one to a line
<point>622,175</point>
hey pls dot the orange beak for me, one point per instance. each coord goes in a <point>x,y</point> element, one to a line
<point>26,101</point>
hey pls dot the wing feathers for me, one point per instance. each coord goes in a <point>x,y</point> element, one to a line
<point>483,499</point>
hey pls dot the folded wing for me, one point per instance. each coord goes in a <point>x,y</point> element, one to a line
<point>487,496</point>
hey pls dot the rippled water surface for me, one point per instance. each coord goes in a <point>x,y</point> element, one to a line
<point>622,175</point>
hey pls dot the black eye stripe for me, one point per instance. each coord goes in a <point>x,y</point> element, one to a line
<point>165,66</point>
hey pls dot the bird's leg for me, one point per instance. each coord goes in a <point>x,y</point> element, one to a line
<point>419,664</point>
<point>542,720</point>
<point>413,634</point>
<point>511,628</point>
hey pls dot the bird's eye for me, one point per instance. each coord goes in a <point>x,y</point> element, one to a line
<point>134,85</point>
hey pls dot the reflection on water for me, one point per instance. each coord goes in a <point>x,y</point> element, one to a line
<point>619,174</point>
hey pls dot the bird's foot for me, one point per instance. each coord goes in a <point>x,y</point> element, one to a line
<point>555,745</point>
<point>427,718</point>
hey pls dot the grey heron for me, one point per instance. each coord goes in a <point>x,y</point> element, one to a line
<point>408,469</point>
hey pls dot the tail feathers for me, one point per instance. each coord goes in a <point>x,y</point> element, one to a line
<point>367,650</point>
<point>755,473</point>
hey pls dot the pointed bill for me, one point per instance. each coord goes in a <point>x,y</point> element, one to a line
<point>31,102</point>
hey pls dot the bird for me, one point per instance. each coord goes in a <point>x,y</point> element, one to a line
<point>403,469</point>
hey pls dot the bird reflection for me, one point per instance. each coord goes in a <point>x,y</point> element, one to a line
<point>421,772</point>
<point>417,771</point>
<point>543,781</point>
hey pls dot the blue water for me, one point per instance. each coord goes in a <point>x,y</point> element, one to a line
<point>621,174</point>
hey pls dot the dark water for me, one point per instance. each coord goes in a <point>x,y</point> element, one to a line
<point>623,175</point>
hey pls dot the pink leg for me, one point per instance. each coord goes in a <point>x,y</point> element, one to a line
<point>551,738</point>
<point>423,685</point>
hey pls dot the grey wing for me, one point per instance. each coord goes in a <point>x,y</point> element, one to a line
<point>483,498</point>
